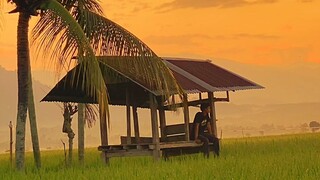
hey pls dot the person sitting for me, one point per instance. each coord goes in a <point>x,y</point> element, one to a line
<point>201,123</point>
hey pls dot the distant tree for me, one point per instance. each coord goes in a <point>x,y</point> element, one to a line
<point>304,127</point>
<point>69,109</point>
<point>314,125</point>
<point>87,114</point>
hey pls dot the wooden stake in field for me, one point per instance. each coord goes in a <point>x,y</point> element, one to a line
<point>65,153</point>
<point>11,142</point>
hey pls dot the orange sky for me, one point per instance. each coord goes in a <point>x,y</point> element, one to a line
<point>265,32</point>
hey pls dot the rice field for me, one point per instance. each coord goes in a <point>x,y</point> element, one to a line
<point>274,157</point>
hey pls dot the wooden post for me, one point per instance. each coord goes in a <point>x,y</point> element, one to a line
<point>103,132</point>
<point>154,124</point>
<point>162,117</point>
<point>11,142</point>
<point>186,117</point>
<point>103,127</point>
<point>128,116</point>
<point>81,114</point>
<point>136,124</point>
<point>212,113</point>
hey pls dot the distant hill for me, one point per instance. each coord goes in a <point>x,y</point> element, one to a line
<point>47,112</point>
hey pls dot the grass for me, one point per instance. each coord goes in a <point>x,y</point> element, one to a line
<point>274,157</point>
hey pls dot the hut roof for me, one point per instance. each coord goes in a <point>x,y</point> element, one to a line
<point>193,76</point>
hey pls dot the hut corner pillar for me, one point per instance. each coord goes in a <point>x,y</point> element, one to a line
<point>213,113</point>
<point>154,124</point>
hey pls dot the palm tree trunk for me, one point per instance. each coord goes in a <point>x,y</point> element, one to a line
<point>81,111</point>
<point>23,70</point>
<point>33,124</point>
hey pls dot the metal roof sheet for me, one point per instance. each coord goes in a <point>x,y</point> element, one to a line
<point>204,76</point>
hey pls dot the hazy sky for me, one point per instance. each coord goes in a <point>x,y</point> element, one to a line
<point>265,32</point>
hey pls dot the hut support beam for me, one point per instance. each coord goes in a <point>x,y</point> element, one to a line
<point>186,117</point>
<point>196,102</point>
<point>162,117</point>
<point>136,124</point>
<point>213,113</point>
<point>154,124</point>
<point>103,132</point>
<point>128,117</point>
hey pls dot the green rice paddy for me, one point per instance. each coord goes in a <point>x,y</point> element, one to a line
<point>274,157</point>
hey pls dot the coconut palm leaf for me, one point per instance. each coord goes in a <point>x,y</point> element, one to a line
<point>91,114</point>
<point>90,5</point>
<point>59,35</point>
<point>110,39</point>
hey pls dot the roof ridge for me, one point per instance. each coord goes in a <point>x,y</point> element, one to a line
<point>185,59</point>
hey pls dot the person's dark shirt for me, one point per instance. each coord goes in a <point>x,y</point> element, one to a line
<point>202,120</point>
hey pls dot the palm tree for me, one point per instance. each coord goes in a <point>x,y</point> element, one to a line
<point>33,123</point>
<point>26,9</point>
<point>23,88</point>
<point>70,27</point>
<point>106,38</point>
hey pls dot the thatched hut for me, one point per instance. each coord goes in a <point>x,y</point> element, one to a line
<point>128,89</point>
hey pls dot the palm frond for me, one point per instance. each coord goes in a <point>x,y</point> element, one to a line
<point>110,39</point>
<point>90,5</point>
<point>130,68</point>
<point>91,114</point>
<point>60,36</point>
